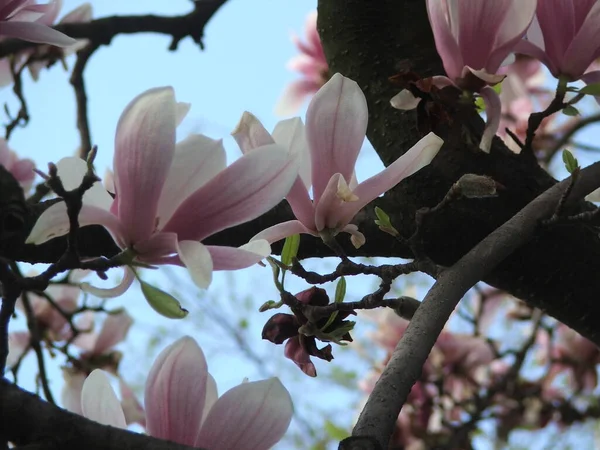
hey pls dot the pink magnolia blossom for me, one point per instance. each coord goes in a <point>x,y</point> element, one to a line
<point>565,37</point>
<point>474,38</point>
<point>311,63</point>
<point>169,197</point>
<point>182,404</point>
<point>336,123</point>
<point>37,58</point>
<point>20,19</point>
<point>21,169</point>
<point>97,352</point>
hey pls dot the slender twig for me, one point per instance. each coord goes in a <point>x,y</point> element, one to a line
<point>78,83</point>
<point>566,137</point>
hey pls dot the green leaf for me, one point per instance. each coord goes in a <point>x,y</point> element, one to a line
<point>340,290</point>
<point>591,89</point>
<point>163,303</point>
<point>384,223</point>
<point>570,110</point>
<point>290,249</point>
<point>570,161</point>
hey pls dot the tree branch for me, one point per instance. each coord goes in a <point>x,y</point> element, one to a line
<point>380,413</point>
<point>26,419</point>
<point>556,270</point>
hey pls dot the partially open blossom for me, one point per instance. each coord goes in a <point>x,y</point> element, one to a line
<point>474,38</point>
<point>565,37</point>
<point>19,19</point>
<point>299,347</point>
<point>182,404</point>
<point>336,124</point>
<point>311,63</point>
<point>21,169</point>
<point>169,197</point>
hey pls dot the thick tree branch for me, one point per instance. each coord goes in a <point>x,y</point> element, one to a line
<point>25,419</point>
<point>380,413</point>
<point>557,270</point>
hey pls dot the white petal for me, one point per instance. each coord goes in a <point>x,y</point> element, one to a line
<point>198,261</point>
<point>99,402</point>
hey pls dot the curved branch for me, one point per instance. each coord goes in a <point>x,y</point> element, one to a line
<point>380,413</point>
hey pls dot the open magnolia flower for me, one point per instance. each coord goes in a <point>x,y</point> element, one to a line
<point>565,37</point>
<point>21,19</point>
<point>336,123</point>
<point>182,404</point>
<point>169,197</point>
<point>474,38</point>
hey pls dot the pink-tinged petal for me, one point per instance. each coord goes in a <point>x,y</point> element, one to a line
<point>144,148</point>
<point>294,351</point>
<point>412,161</point>
<point>329,205</point>
<point>35,32</point>
<point>530,49</point>
<point>336,123</point>
<point>197,160</point>
<point>445,42</point>
<point>23,172</point>
<point>83,13</point>
<point>493,108</point>
<point>113,331</point>
<point>176,392</point>
<point>291,134</point>
<point>356,237</point>
<point>51,12</point>
<point>283,230</point>
<point>293,96</point>
<point>197,259</point>
<point>99,402</point>
<point>132,409</point>
<point>18,344</point>
<point>232,258</point>
<point>54,222</point>
<point>120,289</point>
<point>249,187</point>
<point>489,78</point>
<point>250,133</point>
<point>585,47</point>
<point>71,171</point>
<point>71,391</point>
<point>159,245</point>
<point>519,14</point>
<point>404,100</point>
<point>261,411</point>
<point>212,395</point>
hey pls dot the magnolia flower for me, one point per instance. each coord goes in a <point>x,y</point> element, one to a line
<point>474,38</point>
<point>39,57</point>
<point>169,197</point>
<point>311,63</point>
<point>19,19</point>
<point>182,404</point>
<point>565,37</point>
<point>20,169</point>
<point>336,123</point>
<point>97,352</point>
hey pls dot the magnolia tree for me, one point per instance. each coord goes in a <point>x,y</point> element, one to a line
<point>467,103</point>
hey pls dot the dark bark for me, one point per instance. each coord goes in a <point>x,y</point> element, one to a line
<point>27,420</point>
<point>557,270</point>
